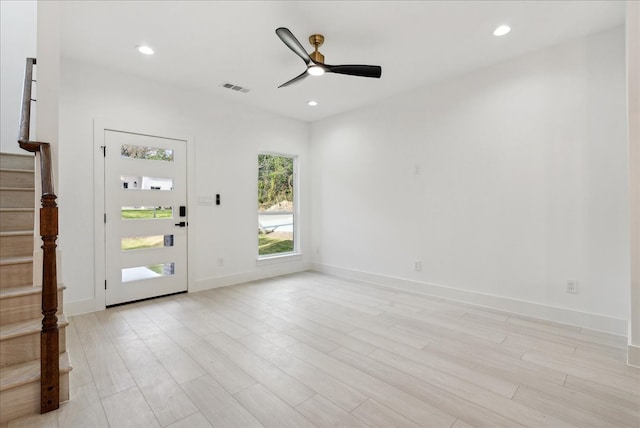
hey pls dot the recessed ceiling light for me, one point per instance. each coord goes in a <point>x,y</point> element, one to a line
<point>501,30</point>
<point>312,103</point>
<point>144,49</point>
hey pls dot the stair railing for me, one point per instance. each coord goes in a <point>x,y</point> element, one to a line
<point>49,345</point>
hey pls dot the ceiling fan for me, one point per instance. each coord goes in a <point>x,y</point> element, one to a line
<point>315,60</point>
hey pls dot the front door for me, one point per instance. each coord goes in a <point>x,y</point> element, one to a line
<point>145,216</point>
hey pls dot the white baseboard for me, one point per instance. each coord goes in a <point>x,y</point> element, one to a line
<point>80,307</point>
<point>633,355</point>
<point>263,272</point>
<point>537,310</point>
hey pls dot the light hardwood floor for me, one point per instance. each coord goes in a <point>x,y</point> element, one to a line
<point>315,350</point>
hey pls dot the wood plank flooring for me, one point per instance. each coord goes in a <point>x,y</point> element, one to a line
<point>309,350</point>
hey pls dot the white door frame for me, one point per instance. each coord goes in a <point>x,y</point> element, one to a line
<point>99,128</point>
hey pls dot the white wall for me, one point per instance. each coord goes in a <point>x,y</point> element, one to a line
<point>633,103</point>
<point>45,112</point>
<point>504,183</point>
<point>18,20</point>
<point>228,137</point>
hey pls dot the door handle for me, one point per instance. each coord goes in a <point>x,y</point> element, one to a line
<point>182,224</point>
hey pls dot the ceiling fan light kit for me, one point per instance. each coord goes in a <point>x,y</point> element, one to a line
<point>315,70</point>
<point>315,61</point>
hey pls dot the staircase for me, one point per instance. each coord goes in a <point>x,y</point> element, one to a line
<point>20,301</point>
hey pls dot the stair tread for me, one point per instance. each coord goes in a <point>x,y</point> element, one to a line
<point>31,189</point>
<point>20,374</point>
<point>7,293</point>
<point>15,260</point>
<point>17,233</point>
<point>30,171</point>
<point>27,327</point>
<point>16,155</point>
<point>16,209</point>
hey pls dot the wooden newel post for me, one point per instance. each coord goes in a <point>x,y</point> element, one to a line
<point>49,344</point>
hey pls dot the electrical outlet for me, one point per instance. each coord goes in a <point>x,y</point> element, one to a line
<point>417,265</point>
<point>572,286</point>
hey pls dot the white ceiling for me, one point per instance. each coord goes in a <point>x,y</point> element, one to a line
<point>201,44</point>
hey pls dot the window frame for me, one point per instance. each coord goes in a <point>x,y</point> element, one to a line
<point>296,253</point>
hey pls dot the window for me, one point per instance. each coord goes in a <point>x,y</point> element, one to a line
<point>276,205</point>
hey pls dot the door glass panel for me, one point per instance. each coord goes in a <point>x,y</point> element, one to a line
<point>146,213</point>
<point>148,272</point>
<point>146,242</point>
<point>131,182</point>
<point>148,153</point>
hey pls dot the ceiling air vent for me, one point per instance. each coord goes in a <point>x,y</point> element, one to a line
<point>234,87</point>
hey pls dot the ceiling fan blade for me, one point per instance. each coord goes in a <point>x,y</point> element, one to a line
<point>355,70</point>
<point>295,79</point>
<point>289,39</point>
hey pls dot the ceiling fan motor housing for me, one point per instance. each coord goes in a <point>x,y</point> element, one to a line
<point>316,41</point>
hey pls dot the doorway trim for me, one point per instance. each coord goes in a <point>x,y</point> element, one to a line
<point>100,126</point>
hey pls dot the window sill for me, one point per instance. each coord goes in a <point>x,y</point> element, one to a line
<point>278,258</point>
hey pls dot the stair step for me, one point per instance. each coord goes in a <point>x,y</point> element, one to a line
<point>16,197</point>
<point>20,342</point>
<point>20,388</point>
<point>21,178</point>
<point>23,328</point>
<point>17,161</point>
<point>12,219</point>
<point>16,272</point>
<point>16,243</point>
<point>20,374</point>
<point>23,303</point>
